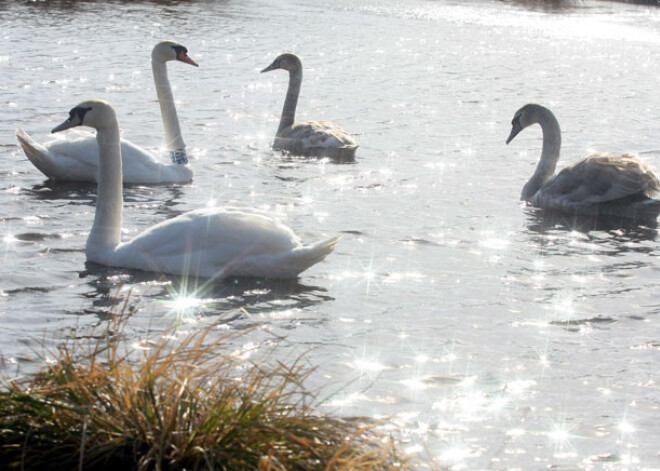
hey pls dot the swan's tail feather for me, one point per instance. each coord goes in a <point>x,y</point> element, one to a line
<point>313,254</point>
<point>649,209</point>
<point>304,257</point>
<point>284,265</point>
<point>37,153</point>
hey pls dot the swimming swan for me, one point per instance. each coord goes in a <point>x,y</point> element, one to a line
<point>607,185</point>
<point>309,138</point>
<point>77,159</point>
<point>208,242</point>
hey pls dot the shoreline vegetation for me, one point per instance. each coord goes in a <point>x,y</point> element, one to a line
<point>177,402</point>
<point>552,4</point>
<point>567,5</point>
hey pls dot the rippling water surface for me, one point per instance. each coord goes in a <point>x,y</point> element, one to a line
<point>488,336</point>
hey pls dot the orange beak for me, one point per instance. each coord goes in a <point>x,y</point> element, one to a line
<point>183,57</point>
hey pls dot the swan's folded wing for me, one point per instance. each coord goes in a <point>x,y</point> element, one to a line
<point>79,159</point>
<point>207,239</point>
<point>64,159</point>
<point>141,167</point>
<point>601,179</point>
<point>314,134</point>
<point>76,158</point>
<point>321,134</point>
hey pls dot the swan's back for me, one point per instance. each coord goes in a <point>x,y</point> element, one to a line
<point>76,159</point>
<point>219,243</point>
<point>601,184</point>
<point>71,159</point>
<point>212,228</point>
<point>316,139</point>
<point>141,167</point>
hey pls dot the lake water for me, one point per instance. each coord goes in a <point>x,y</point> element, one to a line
<point>485,335</point>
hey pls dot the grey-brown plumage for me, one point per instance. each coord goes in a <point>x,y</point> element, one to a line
<point>308,138</point>
<point>600,184</point>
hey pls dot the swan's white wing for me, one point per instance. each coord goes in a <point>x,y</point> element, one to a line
<point>602,179</point>
<point>207,229</point>
<point>63,159</point>
<point>76,159</point>
<point>206,242</point>
<point>141,167</point>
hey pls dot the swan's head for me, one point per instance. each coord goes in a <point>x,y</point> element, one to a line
<point>167,50</point>
<point>525,116</point>
<point>93,113</point>
<point>287,61</point>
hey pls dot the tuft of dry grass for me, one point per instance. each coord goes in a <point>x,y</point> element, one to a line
<point>183,403</point>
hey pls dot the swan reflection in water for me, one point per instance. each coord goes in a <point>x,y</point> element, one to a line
<point>188,298</point>
<point>55,190</point>
<point>545,221</point>
<point>166,197</point>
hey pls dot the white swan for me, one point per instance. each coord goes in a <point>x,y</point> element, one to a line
<point>77,159</point>
<point>605,185</point>
<point>209,242</point>
<point>309,138</point>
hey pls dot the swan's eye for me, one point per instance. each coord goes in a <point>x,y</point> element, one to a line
<point>79,113</point>
<point>181,54</point>
<point>180,50</point>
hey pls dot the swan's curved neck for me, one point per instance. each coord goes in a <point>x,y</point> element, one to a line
<point>173,135</point>
<point>291,101</point>
<point>549,155</point>
<point>106,230</point>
